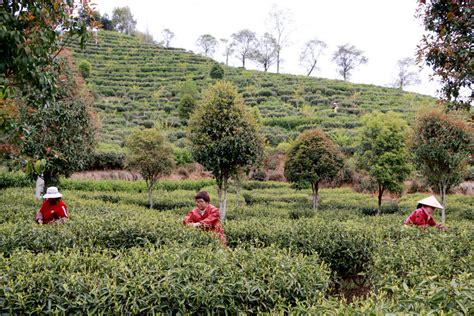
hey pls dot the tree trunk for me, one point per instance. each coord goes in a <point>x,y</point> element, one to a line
<point>315,189</point>
<point>278,60</point>
<point>379,200</point>
<point>312,68</point>
<point>443,189</point>
<point>150,198</point>
<point>237,191</point>
<point>222,192</point>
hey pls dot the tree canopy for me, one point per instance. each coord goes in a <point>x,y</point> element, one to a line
<point>347,58</point>
<point>312,158</point>
<point>441,145</point>
<point>382,151</point>
<point>447,47</point>
<point>150,155</point>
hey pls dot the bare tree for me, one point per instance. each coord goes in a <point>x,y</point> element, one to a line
<point>244,41</point>
<point>310,54</point>
<point>229,48</point>
<point>406,76</point>
<point>265,51</point>
<point>167,37</point>
<point>207,43</point>
<point>280,20</point>
<point>348,57</point>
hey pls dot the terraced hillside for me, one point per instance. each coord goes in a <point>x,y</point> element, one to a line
<point>136,83</point>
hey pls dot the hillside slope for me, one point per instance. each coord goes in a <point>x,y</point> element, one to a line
<point>136,83</point>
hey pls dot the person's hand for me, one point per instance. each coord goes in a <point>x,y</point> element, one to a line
<point>442,227</point>
<point>195,225</point>
<point>40,221</point>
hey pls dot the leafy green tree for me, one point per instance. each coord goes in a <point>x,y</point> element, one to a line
<point>312,158</point>
<point>224,136</point>
<point>31,43</point>
<point>123,21</point>
<point>188,99</point>
<point>382,151</point>
<point>347,58</point>
<point>442,144</point>
<point>150,155</point>
<point>217,72</point>
<point>447,47</point>
<point>62,132</point>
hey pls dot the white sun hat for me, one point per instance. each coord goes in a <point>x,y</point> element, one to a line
<point>52,192</point>
<point>431,201</point>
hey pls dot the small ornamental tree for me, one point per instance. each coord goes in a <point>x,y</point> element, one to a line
<point>224,136</point>
<point>382,152</point>
<point>441,145</point>
<point>312,158</point>
<point>62,133</point>
<point>150,155</point>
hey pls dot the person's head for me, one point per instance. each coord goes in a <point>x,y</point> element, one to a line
<point>53,195</point>
<point>429,204</point>
<point>202,199</point>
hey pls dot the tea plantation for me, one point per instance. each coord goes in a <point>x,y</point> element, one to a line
<point>137,84</point>
<point>116,256</point>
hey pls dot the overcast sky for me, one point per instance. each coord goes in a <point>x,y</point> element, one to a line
<point>385,30</point>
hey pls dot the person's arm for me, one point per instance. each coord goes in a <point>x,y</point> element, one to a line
<point>188,219</point>
<point>410,219</point>
<point>39,217</point>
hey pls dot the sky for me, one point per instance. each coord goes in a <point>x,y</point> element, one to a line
<point>385,30</point>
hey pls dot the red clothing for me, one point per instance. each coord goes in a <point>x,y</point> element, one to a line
<point>49,212</point>
<point>210,220</point>
<point>420,217</point>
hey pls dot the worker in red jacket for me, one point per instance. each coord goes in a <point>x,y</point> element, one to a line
<point>53,208</point>
<point>422,216</point>
<point>205,216</point>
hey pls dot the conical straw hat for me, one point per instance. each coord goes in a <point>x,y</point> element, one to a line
<point>431,201</point>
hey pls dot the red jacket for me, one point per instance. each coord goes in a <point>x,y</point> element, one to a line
<point>420,218</point>
<point>49,212</point>
<point>210,220</point>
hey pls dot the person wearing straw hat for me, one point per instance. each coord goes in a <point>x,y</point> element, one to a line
<point>422,216</point>
<point>53,208</point>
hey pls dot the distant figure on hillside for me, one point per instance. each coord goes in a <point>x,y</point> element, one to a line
<point>53,208</point>
<point>205,216</point>
<point>422,216</point>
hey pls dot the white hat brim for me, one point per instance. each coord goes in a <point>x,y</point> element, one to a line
<point>52,196</point>
<point>431,201</point>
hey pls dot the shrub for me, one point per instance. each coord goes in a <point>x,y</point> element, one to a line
<point>84,68</point>
<point>217,72</point>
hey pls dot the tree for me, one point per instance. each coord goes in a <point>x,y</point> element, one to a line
<point>348,57</point>
<point>310,54</point>
<point>312,158</point>
<point>188,98</point>
<point>228,49</point>
<point>244,42</point>
<point>265,51</point>
<point>31,44</point>
<point>224,136</point>
<point>167,37</point>
<point>150,155</point>
<point>62,133</point>
<point>280,21</point>
<point>441,145</point>
<point>217,72</point>
<point>447,47</point>
<point>207,43</point>
<point>382,151</point>
<point>106,23</point>
<point>123,21</point>
<point>406,77</point>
